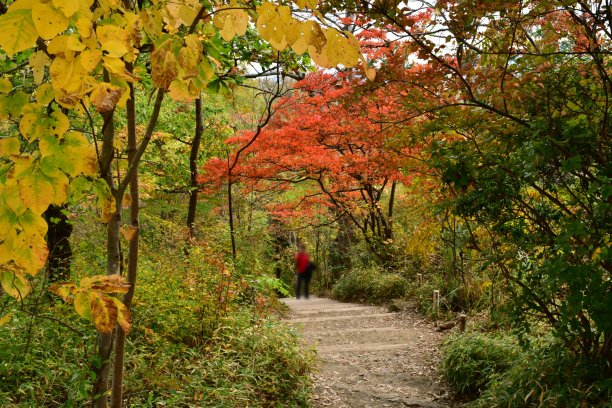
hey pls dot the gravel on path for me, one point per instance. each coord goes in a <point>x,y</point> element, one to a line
<point>368,357</point>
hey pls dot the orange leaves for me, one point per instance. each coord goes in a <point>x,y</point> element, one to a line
<point>92,301</point>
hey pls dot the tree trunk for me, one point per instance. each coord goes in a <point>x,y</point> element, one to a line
<point>389,229</point>
<point>230,209</point>
<point>193,168</point>
<point>105,341</point>
<point>58,244</point>
<point>117,387</point>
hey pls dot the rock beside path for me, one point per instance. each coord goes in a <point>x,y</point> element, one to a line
<point>369,357</point>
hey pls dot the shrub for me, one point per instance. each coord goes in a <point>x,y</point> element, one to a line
<point>550,376</point>
<point>471,360</point>
<point>370,286</point>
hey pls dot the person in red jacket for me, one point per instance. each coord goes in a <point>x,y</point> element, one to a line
<point>304,269</point>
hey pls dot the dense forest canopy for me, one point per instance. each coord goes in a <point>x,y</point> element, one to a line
<point>467,141</point>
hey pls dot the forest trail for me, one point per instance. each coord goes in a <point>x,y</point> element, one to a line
<point>368,357</point>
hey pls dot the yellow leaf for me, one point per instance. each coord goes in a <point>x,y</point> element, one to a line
<point>33,225</point>
<point>163,65</point>
<point>123,315</point>
<point>90,59</point>
<point>105,96</point>
<point>302,34</point>
<point>116,67</point>
<point>187,14</point>
<point>108,208</point>
<point>63,290</point>
<point>273,23</point>
<point>105,283</point>
<point>13,199</point>
<point>61,72</point>
<point>36,192</point>
<point>83,25</point>
<point>29,126</point>
<point>78,155</point>
<point>341,50</point>
<point>15,284</point>
<point>17,30</point>
<point>44,94</point>
<point>48,20</point>
<point>38,62</point>
<point>152,22</point>
<point>179,91</point>
<point>9,146</point>
<point>103,311</point>
<point>82,304</point>
<point>231,22</point>
<point>60,188</point>
<point>5,319</point>
<point>5,85</point>
<point>74,43</point>
<point>67,7</point>
<point>128,233</point>
<point>115,40</point>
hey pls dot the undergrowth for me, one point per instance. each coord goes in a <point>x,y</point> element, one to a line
<point>203,333</point>
<point>370,285</point>
<point>494,371</point>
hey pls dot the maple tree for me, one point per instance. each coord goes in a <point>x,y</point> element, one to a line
<point>323,133</point>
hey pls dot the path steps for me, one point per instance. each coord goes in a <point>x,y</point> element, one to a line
<point>369,358</point>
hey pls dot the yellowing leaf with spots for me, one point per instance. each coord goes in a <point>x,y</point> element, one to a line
<point>114,40</point>
<point>38,62</point>
<point>90,59</point>
<point>33,225</point>
<point>67,7</point>
<point>48,20</point>
<point>5,85</point>
<point>63,290</point>
<point>123,315</point>
<point>128,232</point>
<point>311,4</point>
<point>77,155</point>
<point>29,253</point>
<point>231,21</point>
<point>103,311</point>
<point>82,304</point>
<point>105,96</point>
<point>10,146</point>
<point>105,283</point>
<point>340,49</point>
<point>273,23</point>
<point>36,192</point>
<point>44,94</point>
<point>164,67</point>
<point>17,30</point>
<point>15,284</point>
<point>13,199</point>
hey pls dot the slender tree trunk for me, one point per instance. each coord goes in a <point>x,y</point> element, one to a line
<point>117,387</point>
<point>231,216</point>
<point>105,341</point>
<point>389,229</point>
<point>193,167</point>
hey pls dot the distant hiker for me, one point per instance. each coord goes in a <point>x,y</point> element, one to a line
<point>304,269</point>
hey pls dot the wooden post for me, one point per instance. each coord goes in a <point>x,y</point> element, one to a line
<point>462,318</point>
<point>436,300</point>
<point>419,277</point>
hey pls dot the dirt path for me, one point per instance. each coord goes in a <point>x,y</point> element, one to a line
<point>368,356</point>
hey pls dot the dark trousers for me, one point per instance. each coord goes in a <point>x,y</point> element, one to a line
<point>305,279</point>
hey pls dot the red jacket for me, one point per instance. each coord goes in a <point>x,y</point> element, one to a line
<point>301,261</point>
